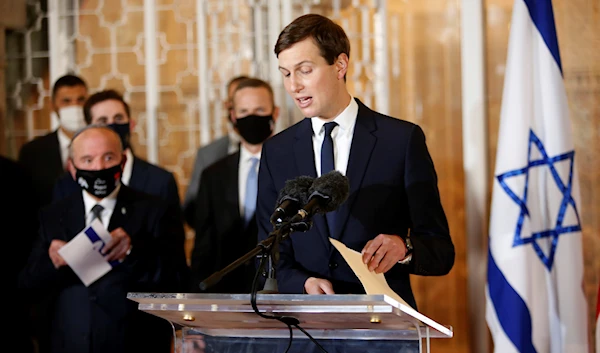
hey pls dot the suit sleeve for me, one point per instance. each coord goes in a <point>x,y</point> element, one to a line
<point>189,202</point>
<point>39,273</point>
<point>204,253</point>
<point>433,253</point>
<point>291,278</point>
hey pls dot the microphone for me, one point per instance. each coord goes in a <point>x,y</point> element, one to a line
<point>327,193</point>
<point>293,195</point>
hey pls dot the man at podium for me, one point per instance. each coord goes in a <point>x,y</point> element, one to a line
<point>393,214</point>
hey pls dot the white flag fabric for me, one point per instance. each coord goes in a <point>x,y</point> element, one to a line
<point>535,299</point>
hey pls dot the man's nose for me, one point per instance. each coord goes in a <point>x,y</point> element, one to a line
<point>295,84</point>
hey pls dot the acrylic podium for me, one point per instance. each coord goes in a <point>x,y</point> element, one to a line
<point>371,318</point>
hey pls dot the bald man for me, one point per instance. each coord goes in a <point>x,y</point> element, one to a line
<point>100,318</point>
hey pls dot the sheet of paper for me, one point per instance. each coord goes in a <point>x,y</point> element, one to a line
<point>374,283</point>
<point>83,255</point>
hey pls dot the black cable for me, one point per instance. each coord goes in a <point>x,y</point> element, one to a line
<point>287,320</point>
<point>311,338</point>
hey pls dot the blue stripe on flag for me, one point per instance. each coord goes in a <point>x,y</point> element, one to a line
<point>542,16</point>
<point>516,322</point>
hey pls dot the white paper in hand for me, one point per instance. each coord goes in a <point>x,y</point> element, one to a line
<point>374,283</point>
<point>83,254</point>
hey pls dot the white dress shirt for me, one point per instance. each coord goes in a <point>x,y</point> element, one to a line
<point>63,142</point>
<point>243,169</point>
<point>128,168</point>
<point>341,135</point>
<point>234,142</point>
<point>108,203</point>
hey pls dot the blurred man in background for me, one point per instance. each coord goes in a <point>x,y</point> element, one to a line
<point>225,222</point>
<point>211,153</point>
<point>98,317</point>
<point>45,157</point>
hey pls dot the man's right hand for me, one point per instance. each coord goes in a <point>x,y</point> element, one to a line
<point>315,285</point>
<point>56,259</point>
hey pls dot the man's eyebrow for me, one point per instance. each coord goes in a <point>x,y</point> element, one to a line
<point>297,64</point>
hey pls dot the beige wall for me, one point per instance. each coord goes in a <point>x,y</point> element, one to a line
<point>12,16</point>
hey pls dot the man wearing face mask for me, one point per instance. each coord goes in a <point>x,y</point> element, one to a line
<point>99,317</point>
<point>211,153</point>
<point>45,157</point>
<point>225,224</point>
<point>109,108</point>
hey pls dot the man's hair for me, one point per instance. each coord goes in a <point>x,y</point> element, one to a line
<point>236,80</point>
<point>255,83</point>
<point>329,37</point>
<point>109,94</point>
<point>90,127</point>
<point>67,81</point>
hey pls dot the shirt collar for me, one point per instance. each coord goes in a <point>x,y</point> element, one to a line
<point>345,120</point>
<point>245,155</point>
<point>63,141</point>
<point>128,168</point>
<point>108,202</point>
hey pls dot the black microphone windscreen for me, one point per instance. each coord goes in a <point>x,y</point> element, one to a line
<point>334,185</point>
<point>295,189</point>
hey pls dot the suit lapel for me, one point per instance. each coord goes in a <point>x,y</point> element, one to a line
<point>231,178</point>
<point>123,207</point>
<point>56,155</point>
<point>303,149</point>
<point>74,216</point>
<point>139,174</point>
<point>305,162</point>
<point>363,143</point>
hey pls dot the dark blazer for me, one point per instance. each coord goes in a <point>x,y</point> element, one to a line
<point>145,177</point>
<point>100,318</point>
<point>393,189</point>
<point>41,157</point>
<point>221,237</point>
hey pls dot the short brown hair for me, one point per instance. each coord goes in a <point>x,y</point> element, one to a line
<point>255,83</point>
<point>109,94</point>
<point>328,35</point>
<point>68,80</point>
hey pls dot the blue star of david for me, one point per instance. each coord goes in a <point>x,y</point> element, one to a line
<point>567,199</point>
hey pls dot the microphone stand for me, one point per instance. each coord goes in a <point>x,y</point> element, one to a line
<point>266,249</point>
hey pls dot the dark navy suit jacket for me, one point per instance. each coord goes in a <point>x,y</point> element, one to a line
<point>41,158</point>
<point>221,236</point>
<point>393,189</point>
<point>100,318</point>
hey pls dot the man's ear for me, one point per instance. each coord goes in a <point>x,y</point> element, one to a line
<point>232,116</point>
<point>275,113</point>
<point>123,160</point>
<point>132,124</point>
<point>341,65</point>
<point>71,168</point>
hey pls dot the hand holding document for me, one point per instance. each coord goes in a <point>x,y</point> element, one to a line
<point>83,253</point>
<point>374,283</point>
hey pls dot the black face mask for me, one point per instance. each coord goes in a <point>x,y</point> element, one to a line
<point>255,129</point>
<point>124,132</point>
<point>99,183</point>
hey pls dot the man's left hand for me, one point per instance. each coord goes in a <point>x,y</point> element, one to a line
<point>383,252</point>
<point>119,246</point>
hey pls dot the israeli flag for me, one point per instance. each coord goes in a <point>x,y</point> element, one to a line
<point>534,292</point>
